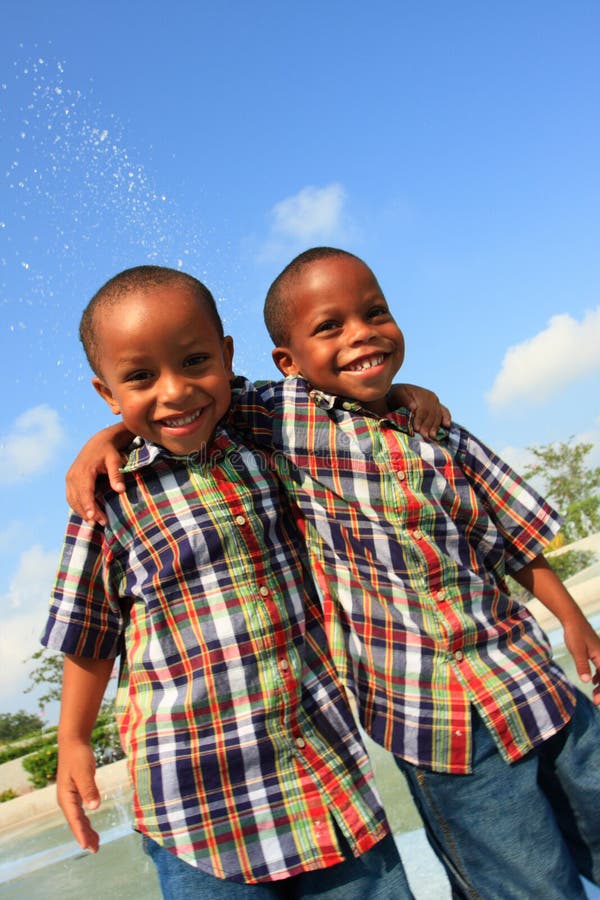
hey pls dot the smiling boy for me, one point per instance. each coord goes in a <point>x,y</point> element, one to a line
<point>335,330</point>
<point>412,541</point>
<point>249,776</point>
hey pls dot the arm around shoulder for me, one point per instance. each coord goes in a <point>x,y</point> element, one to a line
<point>429,414</point>
<point>102,454</point>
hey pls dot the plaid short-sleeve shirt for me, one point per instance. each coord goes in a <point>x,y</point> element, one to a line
<point>411,540</point>
<point>242,749</point>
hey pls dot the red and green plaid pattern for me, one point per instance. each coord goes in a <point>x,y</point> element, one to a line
<point>410,541</point>
<point>241,745</point>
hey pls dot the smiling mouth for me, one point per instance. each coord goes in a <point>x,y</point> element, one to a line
<point>364,364</point>
<point>180,421</point>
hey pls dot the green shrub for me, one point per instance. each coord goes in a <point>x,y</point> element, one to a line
<point>14,751</point>
<point>42,766</point>
<point>43,762</point>
<point>7,795</point>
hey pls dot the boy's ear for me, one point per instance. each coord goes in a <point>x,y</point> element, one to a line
<point>106,394</point>
<point>228,355</point>
<point>284,360</point>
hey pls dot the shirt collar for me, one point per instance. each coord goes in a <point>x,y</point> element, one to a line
<point>144,453</point>
<point>402,418</point>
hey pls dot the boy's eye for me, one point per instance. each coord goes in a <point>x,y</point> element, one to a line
<point>139,375</point>
<point>327,325</point>
<point>196,359</point>
<point>376,311</point>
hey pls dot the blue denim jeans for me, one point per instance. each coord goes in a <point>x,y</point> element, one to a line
<point>376,875</point>
<point>520,831</point>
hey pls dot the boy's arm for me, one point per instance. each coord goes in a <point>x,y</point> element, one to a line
<point>84,683</point>
<point>581,640</point>
<point>100,455</point>
<point>428,413</point>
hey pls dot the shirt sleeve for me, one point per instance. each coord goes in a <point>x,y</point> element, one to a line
<point>525,520</point>
<point>85,616</point>
<point>255,408</point>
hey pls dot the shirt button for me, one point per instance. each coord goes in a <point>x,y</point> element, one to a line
<point>458,733</point>
<point>441,595</point>
<point>300,743</point>
<point>284,665</point>
<point>417,534</point>
<point>263,591</point>
<point>240,520</point>
<point>401,476</point>
<point>459,656</point>
<point>346,405</point>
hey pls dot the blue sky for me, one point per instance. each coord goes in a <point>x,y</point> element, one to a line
<point>454,147</point>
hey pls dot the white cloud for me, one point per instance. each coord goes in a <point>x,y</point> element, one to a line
<point>31,444</point>
<point>313,215</point>
<point>32,579</point>
<point>536,369</point>
<point>11,536</point>
<point>24,608</point>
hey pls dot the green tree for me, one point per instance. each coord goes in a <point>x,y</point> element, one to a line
<point>47,674</point>
<point>19,725</point>
<point>574,489</point>
<point>570,484</point>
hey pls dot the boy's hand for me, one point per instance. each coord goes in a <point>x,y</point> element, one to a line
<point>100,456</point>
<point>583,644</point>
<point>76,787</point>
<point>539,578</point>
<point>428,412</point>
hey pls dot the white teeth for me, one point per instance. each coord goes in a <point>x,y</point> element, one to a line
<point>182,420</point>
<point>365,364</point>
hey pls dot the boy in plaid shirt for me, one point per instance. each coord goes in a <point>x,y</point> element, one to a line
<point>412,541</point>
<point>249,776</point>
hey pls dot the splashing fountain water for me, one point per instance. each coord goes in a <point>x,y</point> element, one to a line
<point>83,206</point>
<point>40,859</point>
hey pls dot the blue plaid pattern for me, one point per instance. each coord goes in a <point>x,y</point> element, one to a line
<point>242,748</point>
<point>411,541</point>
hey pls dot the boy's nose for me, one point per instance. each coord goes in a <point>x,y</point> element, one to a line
<point>361,331</point>
<point>173,388</point>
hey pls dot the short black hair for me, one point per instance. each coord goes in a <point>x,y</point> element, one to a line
<point>136,279</point>
<point>276,310</point>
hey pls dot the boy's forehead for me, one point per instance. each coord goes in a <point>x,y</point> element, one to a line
<point>157,310</point>
<point>333,272</point>
<point>144,301</point>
